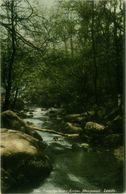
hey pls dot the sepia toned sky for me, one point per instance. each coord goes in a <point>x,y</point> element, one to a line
<point>44,3</point>
<point>47,3</point>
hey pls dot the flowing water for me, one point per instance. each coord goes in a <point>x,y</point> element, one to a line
<point>75,171</point>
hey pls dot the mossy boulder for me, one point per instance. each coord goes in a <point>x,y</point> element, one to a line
<point>82,146</point>
<point>23,160</point>
<point>94,127</point>
<point>93,133</point>
<point>74,118</point>
<point>87,116</point>
<point>71,128</point>
<point>10,120</point>
<point>85,146</point>
<point>99,135</point>
<point>119,153</point>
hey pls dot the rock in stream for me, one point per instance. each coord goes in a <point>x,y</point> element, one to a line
<point>24,163</point>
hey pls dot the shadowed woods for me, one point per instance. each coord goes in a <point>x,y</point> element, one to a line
<point>70,58</point>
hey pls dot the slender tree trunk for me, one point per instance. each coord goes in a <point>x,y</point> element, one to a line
<point>94,55</point>
<point>118,62</point>
<point>72,47</point>
<point>10,69</point>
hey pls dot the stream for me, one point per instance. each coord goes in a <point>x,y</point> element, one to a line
<point>74,171</point>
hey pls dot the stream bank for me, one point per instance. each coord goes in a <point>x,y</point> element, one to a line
<point>74,169</point>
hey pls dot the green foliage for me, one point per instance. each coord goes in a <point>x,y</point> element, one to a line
<point>73,59</point>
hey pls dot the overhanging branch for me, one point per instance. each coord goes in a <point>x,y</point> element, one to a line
<point>27,42</point>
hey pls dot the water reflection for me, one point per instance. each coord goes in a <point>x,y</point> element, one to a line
<point>76,170</point>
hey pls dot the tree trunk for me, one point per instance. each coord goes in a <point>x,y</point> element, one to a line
<point>118,61</point>
<point>71,45</point>
<point>10,69</point>
<point>94,56</point>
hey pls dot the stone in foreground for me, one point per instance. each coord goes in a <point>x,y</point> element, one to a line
<point>23,160</point>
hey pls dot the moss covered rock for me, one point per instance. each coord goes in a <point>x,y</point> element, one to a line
<point>72,128</point>
<point>10,120</point>
<point>119,153</point>
<point>92,126</point>
<point>74,118</point>
<point>82,146</point>
<point>23,159</point>
<point>93,133</point>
